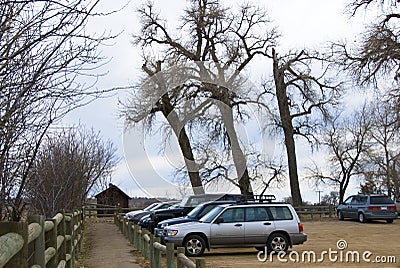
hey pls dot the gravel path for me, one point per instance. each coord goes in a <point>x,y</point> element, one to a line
<point>107,247</point>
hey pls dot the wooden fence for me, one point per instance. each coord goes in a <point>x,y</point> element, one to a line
<point>39,243</point>
<point>313,211</point>
<point>151,248</point>
<point>92,210</point>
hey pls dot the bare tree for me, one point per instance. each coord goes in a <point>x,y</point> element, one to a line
<point>44,49</point>
<point>381,161</point>
<point>330,199</point>
<point>230,41</point>
<point>69,164</point>
<point>303,100</point>
<point>371,185</point>
<point>155,93</point>
<point>379,52</point>
<point>375,58</point>
<point>217,167</point>
<point>347,140</point>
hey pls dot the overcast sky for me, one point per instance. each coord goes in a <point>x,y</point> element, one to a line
<point>302,23</point>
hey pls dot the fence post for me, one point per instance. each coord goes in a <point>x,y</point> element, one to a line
<point>53,262</point>
<point>179,263</point>
<point>123,226</point>
<point>61,230</point>
<point>130,232</point>
<point>170,255</point>
<point>157,254</point>
<point>21,228</point>
<point>200,263</point>
<point>82,218</point>
<point>135,236</point>
<point>146,245</point>
<point>69,230</point>
<point>140,239</point>
<point>39,243</point>
<point>151,253</point>
<point>77,233</point>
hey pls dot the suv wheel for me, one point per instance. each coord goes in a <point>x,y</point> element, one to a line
<point>277,242</point>
<point>194,246</point>
<point>361,217</point>
<point>340,215</point>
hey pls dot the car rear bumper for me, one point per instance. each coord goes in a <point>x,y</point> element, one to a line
<point>380,215</point>
<point>298,238</point>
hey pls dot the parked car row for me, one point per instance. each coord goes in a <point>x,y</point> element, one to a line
<point>136,215</point>
<point>210,221</point>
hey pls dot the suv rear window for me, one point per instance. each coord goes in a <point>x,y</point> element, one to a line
<point>380,200</point>
<point>281,213</point>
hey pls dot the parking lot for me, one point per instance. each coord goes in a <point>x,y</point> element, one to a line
<point>330,243</point>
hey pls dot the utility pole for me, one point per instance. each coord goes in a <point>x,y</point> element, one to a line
<point>319,196</point>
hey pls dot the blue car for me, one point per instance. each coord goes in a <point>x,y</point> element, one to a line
<point>364,207</point>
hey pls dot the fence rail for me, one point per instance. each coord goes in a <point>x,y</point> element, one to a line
<point>39,243</point>
<point>321,211</point>
<point>101,210</point>
<point>151,248</point>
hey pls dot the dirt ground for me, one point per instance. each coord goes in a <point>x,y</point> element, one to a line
<point>378,241</point>
<point>105,246</point>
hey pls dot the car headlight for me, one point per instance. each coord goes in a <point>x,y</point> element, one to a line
<point>164,225</point>
<point>172,232</point>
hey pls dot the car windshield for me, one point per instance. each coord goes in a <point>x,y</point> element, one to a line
<point>195,212</point>
<point>150,206</point>
<point>376,200</point>
<point>211,215</point>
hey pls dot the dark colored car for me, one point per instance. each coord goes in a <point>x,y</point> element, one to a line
<point>364,207</point>
<point>136,215</point>
<point>187,205</point>
<point>194,215</point>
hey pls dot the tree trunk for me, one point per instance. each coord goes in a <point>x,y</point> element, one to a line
<point>179,129</point>
<point>184,144</point>
<point>341,192</point>
<point>238,156</point>
<point>286,121</point>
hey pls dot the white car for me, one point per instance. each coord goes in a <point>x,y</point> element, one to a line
<point>136,215</point>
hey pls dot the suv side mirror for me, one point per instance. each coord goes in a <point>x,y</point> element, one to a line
<point>219,220</point>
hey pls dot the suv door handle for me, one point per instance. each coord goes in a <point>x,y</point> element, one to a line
<point>238,225</point>
<point>267,223</point>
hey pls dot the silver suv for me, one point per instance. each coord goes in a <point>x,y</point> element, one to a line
<point>275,226</point>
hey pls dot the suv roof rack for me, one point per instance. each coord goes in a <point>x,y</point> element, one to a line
<point>269,198</point>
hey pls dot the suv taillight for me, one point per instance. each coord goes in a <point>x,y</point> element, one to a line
<point>374,208</point>
<point>301,228</point>
<point>391,207</point>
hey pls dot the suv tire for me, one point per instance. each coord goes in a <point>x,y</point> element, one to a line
<point>361,217</point>
<point>194,245</point>
<point>277,242</point>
